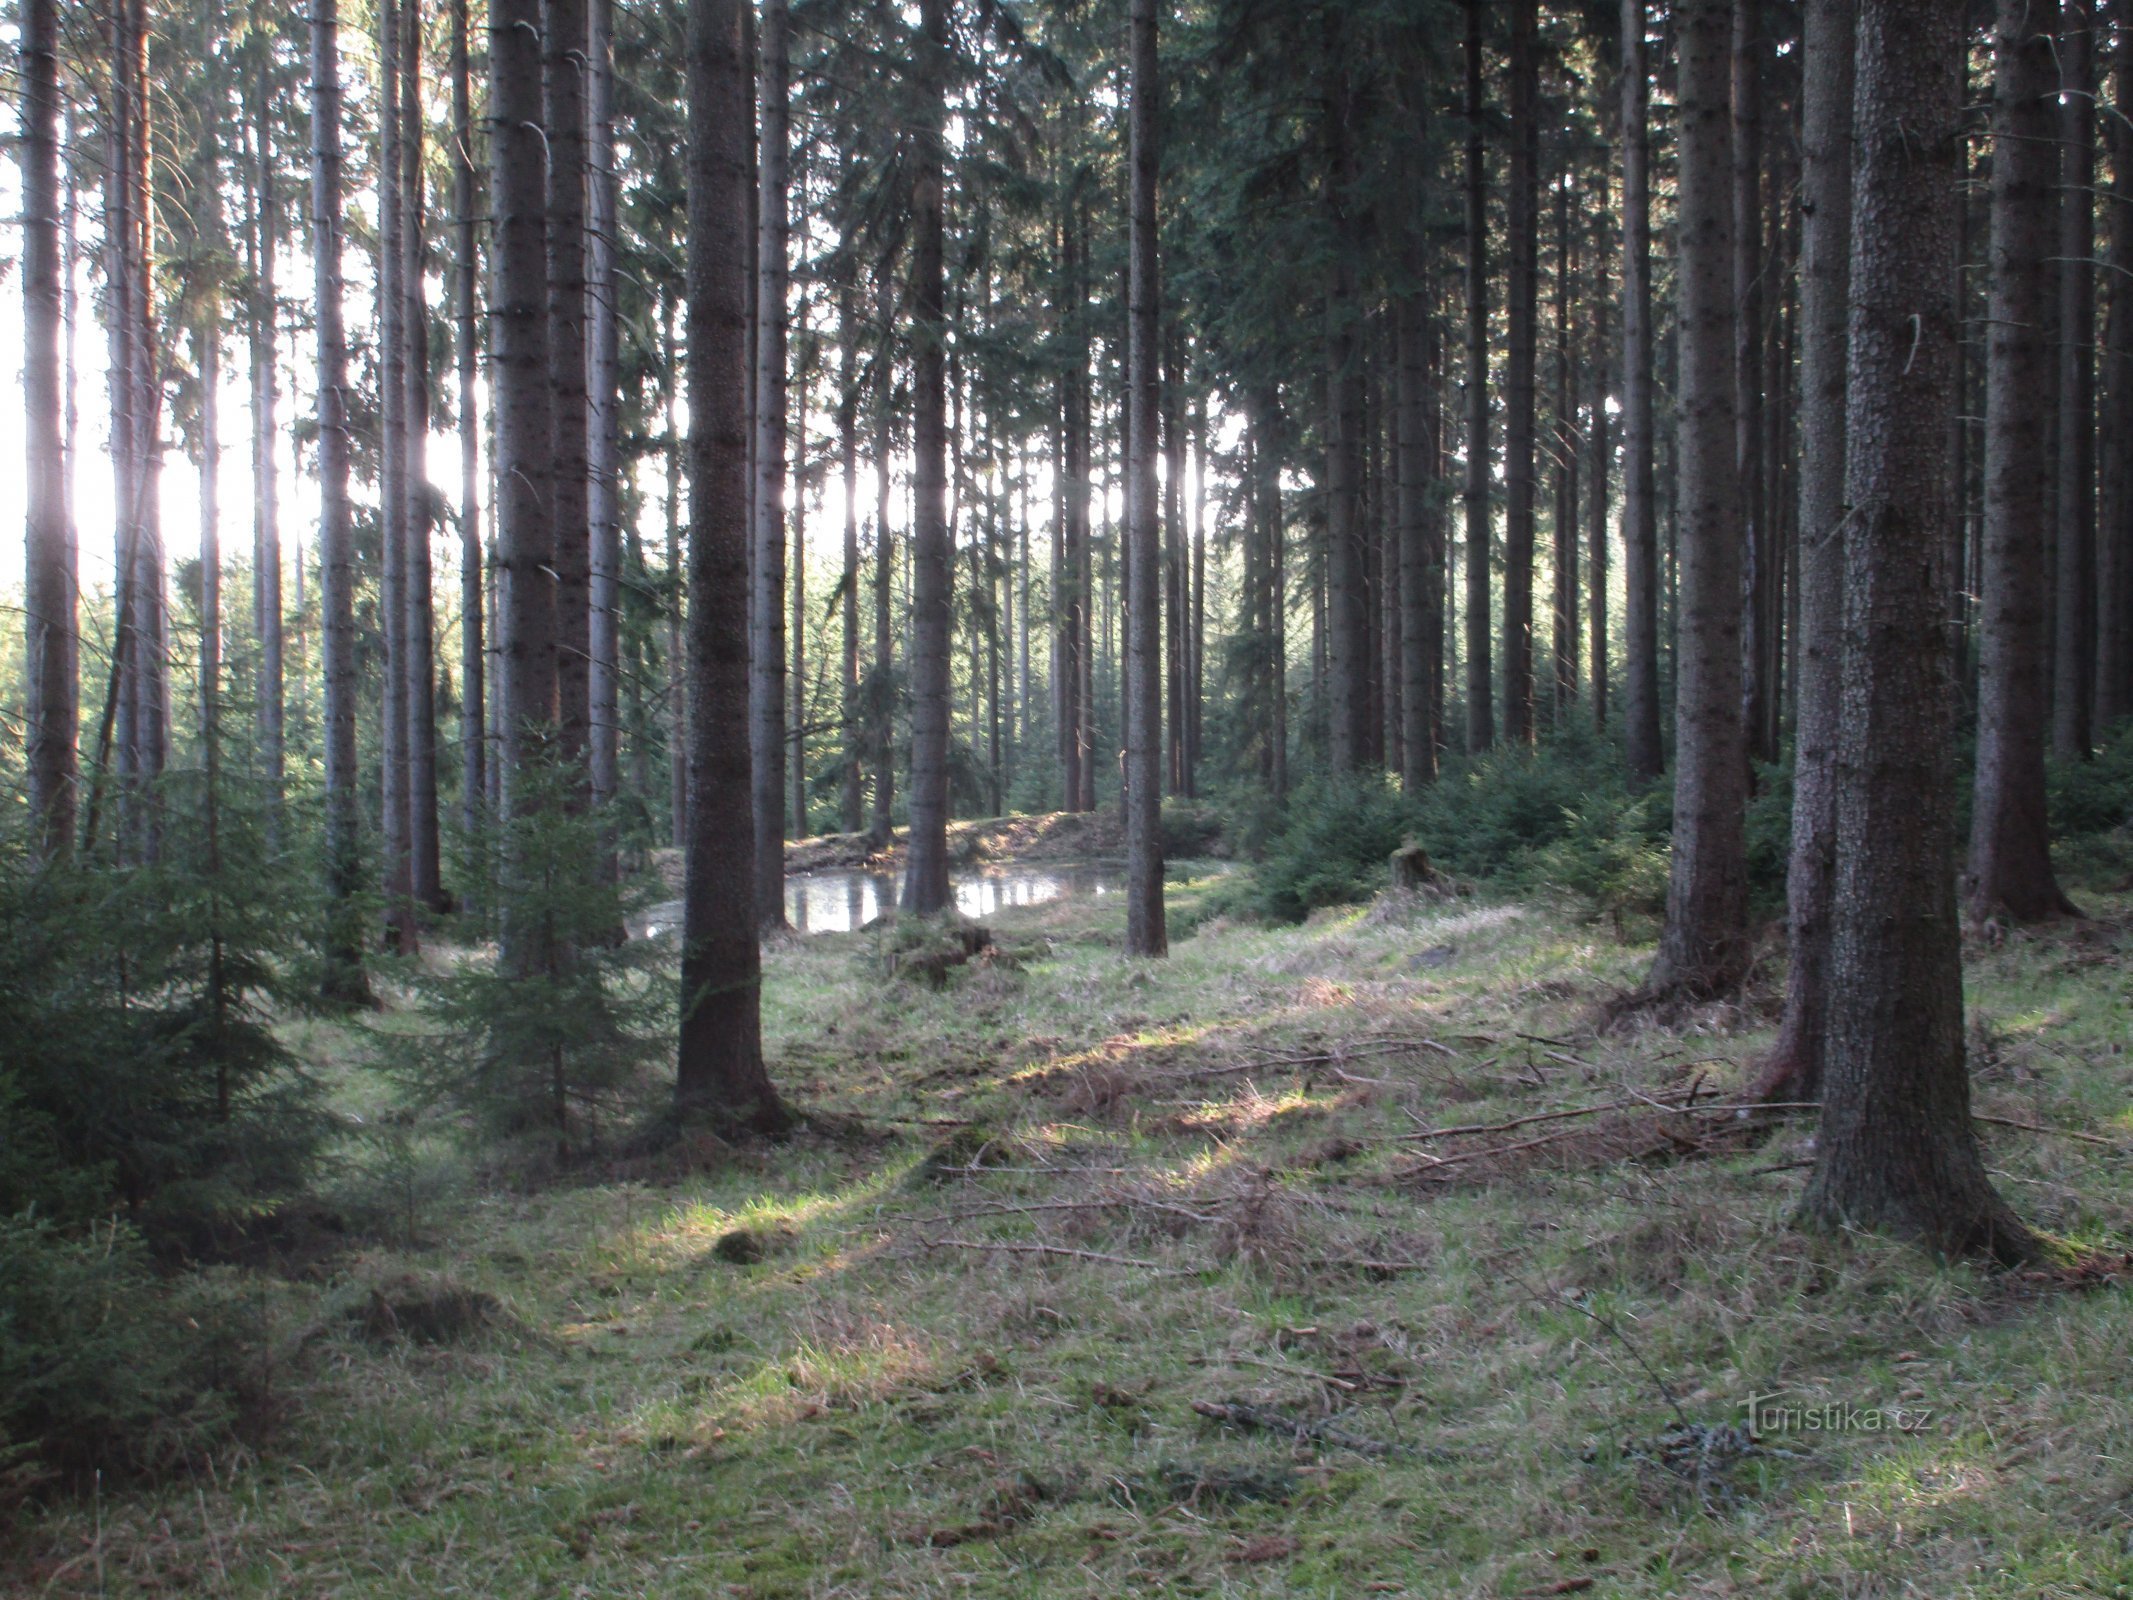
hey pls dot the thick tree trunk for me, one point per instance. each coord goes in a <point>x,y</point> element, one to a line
<point>564,35</point>
<point>344,981</point>
<point>1896,1149</point>
<point>882,829</point>
<point>932,553</point>
<point>2074,616</point>
<point>848,464</point>
<point>263,315</point>
<point>525,444</point>
<point>1145,931</point>
<point>1640,522</point>
<point>603,442</point>
<point>766,691</point>
<point>1521,475</point>
<point>473,664</point>
<point>1568,452</point>
<point>402,930</point>
<point>50,578</point>
<point>1795,1069</point>
<point>425,868</point>
<point>1480,704</point>
<point>1761,585</point>
<point>2114,548</point>
<point>719,1074</point>
<point>2010,845</point>
<point>1599,449</point>
<point>1704,949</point>
<point>1415,467</point>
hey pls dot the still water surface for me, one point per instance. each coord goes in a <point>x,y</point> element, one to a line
<point>840,899</point>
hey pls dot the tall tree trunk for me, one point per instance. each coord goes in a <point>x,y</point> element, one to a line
<point>1896,1149</point>
<point>425,869</point>
<point>677,651</point>
<point>766,693</point>
<point>344,981</point>
<point>564,34</point>
<point>2114,549</point>
<point>932,553</point>
<point>1177,615</point>
<point>2074,619</point>
<point>402,932</point>
<point>1600,452</point>
<point>1521,353</point>
<point>848,465</point>
<point>719,1074</point>
<point>262,315</point>
<point>50,577</point>
<point>1795,1069</point>
<point>1704,949</point>
<point>1564,630</point>
<point>882,829</point>
<point>602,441</point>
<point>1480,705</point>
<point>1415,466</point>
<point>525,442</point>
<point>473,664</point>
<point>1750,297</point>
<point>1640,522</point>
<point>1145,931</point>
<point>2010,844</point>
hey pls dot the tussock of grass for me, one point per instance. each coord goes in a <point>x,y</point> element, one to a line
<point>1160,1278</point>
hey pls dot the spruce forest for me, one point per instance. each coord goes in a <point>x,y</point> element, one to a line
<point>814,798</point>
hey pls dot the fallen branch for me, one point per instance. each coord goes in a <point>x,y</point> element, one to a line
<point>1060,1250</point>
<point>2038,1127</point>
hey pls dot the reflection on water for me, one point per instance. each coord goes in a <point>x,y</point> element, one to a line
<point>841,899</point>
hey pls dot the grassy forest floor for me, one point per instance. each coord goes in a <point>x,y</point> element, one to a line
<point>1094,1278</point>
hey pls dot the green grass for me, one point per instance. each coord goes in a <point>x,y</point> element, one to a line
<point>886,1406</point>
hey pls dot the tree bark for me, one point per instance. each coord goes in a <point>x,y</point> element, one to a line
<point>1761,585</point>
<point>525,443</point>
<point>1704,949</point>
<point>425,868</point>
<point>1829,29</point>
<point>1563,634</point>
<point>473,662</point>
<point>1896,1149</point>
<point>50,576</point>
<point>766,693</point>
<point>263,312</point>
<point>1415,460</point>
<point>1145,931</point>
<point>344,982</point>
<point>396,869</point>
<point>2114,549</point>
<point>1520,382</point>
<point>2010,845</point>
<point>848,463</point>
<point>1640,522</point>
<point>2074,616</point>
<point>884,733</point>
<point>564,35</point>
<point>719,1074</point>
<point>1480,704</point>
<point>926,872</point>
<point>603,443</point>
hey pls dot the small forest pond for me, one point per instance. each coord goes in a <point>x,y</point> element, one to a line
<point>840,899</point>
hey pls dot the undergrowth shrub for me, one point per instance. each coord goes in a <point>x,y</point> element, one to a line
<point>149,1116</point>
<point>560,1047</point>
<point>2096,795</point>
